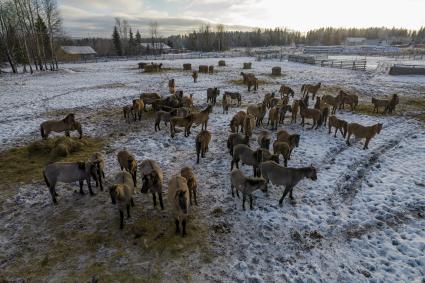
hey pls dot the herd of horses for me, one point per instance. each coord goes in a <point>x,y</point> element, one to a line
<point>178,111</point>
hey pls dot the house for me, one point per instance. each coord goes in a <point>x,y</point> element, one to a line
<point>74,53</point>
<point>157,47</point>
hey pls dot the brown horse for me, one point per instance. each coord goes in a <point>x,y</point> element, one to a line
<point>286,90</point>
<point>66,125</point>
<point>313,89</point>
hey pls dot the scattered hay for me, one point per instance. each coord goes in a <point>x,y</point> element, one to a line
<point>240,82</point>
<point>217,212</point>
<point>32,158</point>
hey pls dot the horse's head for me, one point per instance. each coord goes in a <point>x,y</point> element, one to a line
<point>312,173</point>
<point>378,128</point>
<point>70,118</point>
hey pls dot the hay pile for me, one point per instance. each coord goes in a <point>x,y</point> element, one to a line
<point>56,147</point>
<point>25,163</point>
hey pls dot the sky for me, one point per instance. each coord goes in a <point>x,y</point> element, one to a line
<point>96,17</point>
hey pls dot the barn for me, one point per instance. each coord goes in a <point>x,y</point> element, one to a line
<point>75,53</point>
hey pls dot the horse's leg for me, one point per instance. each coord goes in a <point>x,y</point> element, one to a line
<point>287,189</point>
<point>314,124</point>
<point>128,211</point>
<point>154,199</point>
<point>177,226</point>
<point>250,202</point>
<point>161,204</point>
<point>366,143</point>
<point>290,194</point>
<point>348,138</point>
<point>81,183</point>
<point>89,185</point>
<point>194,197</point>
<point>243,200</point>
<point>53,194</point>
<point>132,202</point>
<point>190,197</point>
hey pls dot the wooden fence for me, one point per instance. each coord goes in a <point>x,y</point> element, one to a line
<point>192,55</point>
<point>357,65</point>
<point>399,69</point>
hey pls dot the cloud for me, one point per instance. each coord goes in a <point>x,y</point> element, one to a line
<point>96,17</point>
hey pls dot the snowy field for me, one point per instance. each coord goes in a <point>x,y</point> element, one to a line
<point>361,221</point>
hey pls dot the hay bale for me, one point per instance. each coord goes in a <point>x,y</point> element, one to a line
<point>142,65</point>
<point>203,69</point>
<point>221,63</point>
<point>276,71</point>
<point>149,68</point>
<point>187,67</point>
<point>211,70</point>
<point>247,65</point>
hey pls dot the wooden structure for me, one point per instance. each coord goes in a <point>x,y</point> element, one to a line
<point>247,65</point>
<point>75,53</point>
<point>399,69</point>
<point>203,69</point>
<point>358,65</point>
<point>276,71</point>
<point>142,65</point>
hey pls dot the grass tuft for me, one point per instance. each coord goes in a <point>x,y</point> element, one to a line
<point>25,163</point>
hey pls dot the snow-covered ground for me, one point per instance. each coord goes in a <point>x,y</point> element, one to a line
<point>362,220</point>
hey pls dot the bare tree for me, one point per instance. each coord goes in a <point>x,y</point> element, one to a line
<point>4,36</point>
<point>220,37</point>
<point>54,23</point>
<point>153,30</point>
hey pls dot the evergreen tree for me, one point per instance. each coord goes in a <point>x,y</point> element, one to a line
<point>138,42</point>
<point>131,43</point>
<point>117,41</point>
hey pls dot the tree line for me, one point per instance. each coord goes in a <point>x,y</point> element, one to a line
<point>28,30</point>
<point>209,38</point>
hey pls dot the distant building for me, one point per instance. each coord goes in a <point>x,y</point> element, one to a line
<point>73,53</point>
<point>355,41</point>
<point>336,49</point>
<point>157,47</point>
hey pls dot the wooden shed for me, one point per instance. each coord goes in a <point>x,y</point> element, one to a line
<point>75,53</point>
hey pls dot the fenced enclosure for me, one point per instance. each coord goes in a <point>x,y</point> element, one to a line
<point>180,56</point>
<point>358,65</point>
<point>399,69</point>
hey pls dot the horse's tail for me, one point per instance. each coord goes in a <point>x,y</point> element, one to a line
<point>45,179</point>
<point>43,135</point>
<point>323,114</point>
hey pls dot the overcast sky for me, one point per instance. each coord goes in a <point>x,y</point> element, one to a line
<point>96,17</point>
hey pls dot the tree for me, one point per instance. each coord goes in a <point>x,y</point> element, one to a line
<point>131,44</point>
<point>153,30</point>
<point>221,40</point>
<point>54,26</point>
<point>117,41</point>
<point>138,42</point>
